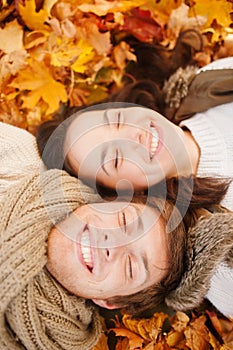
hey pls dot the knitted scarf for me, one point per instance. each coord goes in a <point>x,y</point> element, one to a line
<point>210,242</point>
<point>36,312</point>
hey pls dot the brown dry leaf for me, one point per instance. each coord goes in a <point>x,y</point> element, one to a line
<point>179,20</point>
<point>135,341</point>
<point>197,335</point>
<point>78,97</point>
<point>215,322</point>
<point>123,344</point>
<point>10,113</point>
<point>227,331</point>
<point>142,26</point>
<point>226,49</point>
<point>38,80</point>
<point>150,329</point>
<point>102,343</point>
<point>130,323</point>
<point>12,63</point>
<point>122,55</point>
<point>161,346</point>
<point>180,321</point>
<point>90,33</point>
<point>174,338</point>
<point>214,342</point>
<point>11,37</point>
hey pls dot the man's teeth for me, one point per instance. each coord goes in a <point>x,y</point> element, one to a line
<point>154,142</point>
<point>86,250</point>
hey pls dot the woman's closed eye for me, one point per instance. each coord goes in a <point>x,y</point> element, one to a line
<point>116,159</point>
<point>118,120</point>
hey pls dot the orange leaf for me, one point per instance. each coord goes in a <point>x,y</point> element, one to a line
<point>215,322</point>
<point>41,85</point>
<point>135,341</point>
<point>174,338</point>
<point>197,337</point>
<point>180,321</point>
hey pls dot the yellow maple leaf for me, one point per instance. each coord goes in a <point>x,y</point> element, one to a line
<point>86,54</point>
<point>33,19</point>
<point>11,37</point>
<point>63,52</point>
<point>213,9</point>
<point>39,83</point>
<point>102,7</point>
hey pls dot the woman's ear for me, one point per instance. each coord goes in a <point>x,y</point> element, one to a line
<point>105,304</point>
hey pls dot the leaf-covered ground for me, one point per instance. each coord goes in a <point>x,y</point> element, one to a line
<point>67,51</point>
<point>62,51</point>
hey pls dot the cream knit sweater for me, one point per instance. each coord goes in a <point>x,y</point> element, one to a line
<point>213,132</point>
<point>18,155</point>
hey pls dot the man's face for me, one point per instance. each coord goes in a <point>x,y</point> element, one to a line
<point>108,249</point>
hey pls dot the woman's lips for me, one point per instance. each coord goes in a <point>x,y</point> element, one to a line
<point>155,141</point>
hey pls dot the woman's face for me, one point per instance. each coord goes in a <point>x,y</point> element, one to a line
<point>108,249</point>
<point>123,147</point>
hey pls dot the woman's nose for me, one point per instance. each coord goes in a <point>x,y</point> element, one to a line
<point>133,133</point>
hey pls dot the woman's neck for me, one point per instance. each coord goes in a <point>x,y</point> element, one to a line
<point>193,150</point>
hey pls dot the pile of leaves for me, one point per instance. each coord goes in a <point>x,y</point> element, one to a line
<point>73,51</point>
<point>198,331</point>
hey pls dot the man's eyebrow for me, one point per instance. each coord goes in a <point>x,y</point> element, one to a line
<point>102,159</point>
<point>145,266</point>
<point>140,226</point>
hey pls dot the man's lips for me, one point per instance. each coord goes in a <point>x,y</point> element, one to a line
<point>85,251</point>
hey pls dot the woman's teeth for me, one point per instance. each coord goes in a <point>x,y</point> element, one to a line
<point>154,142</point>
<point>86,250</point>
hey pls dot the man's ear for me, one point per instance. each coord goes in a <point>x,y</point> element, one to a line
<point>105,304</point>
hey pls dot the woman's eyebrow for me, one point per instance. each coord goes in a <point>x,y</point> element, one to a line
<point>105,117</point>
<point>102,159</point>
